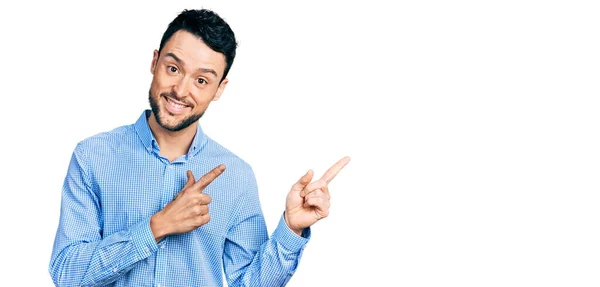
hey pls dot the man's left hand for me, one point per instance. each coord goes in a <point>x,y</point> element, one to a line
<point>308,202</point>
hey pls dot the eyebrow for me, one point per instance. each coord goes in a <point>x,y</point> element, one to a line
<point>203,70</point>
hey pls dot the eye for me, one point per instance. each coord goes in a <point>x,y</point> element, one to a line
<point>201,81</point>
<point>172,69</point>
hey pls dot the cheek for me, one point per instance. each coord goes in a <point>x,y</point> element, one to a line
<point>202,97</point>
<point>159,86</point>
<point>155,86</point>
<point>160,81</point>
<point>205,97</point>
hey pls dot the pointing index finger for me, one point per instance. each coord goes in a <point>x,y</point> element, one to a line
<point>335,169</point>
<point>206,179</point>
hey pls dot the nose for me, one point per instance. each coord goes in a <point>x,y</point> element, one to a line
<point>181,88</point>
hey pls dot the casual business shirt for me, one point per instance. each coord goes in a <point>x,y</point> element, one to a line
<point>117,180</point>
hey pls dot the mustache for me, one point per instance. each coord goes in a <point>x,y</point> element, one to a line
<point>174,96</point>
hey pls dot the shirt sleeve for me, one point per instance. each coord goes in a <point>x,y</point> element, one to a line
<point>250,258</point>
<point>81,256</point>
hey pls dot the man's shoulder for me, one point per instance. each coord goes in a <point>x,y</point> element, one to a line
<point>108,140</point>
<point>222,154</point>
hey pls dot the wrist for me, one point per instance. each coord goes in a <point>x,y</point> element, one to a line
<point>157,227</point>
<point>295,230</point>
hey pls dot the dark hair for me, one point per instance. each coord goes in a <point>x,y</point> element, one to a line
<point>210,28</point>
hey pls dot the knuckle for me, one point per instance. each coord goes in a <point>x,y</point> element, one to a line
<point>202,181</point>
<point>202,219</point>
<point>316,194</point>
<point>197,210</point>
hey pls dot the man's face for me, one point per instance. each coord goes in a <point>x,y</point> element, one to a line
<point>186,79</point>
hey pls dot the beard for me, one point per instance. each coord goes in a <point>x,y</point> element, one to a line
<point>158,115</point>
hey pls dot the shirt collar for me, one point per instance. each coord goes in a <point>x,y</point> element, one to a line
<point>145,134</point>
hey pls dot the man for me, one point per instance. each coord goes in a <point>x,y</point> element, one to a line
<point>132,212</point>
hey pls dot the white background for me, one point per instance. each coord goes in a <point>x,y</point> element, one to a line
<point>473,128</point>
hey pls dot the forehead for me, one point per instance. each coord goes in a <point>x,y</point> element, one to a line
<point>194,52</point>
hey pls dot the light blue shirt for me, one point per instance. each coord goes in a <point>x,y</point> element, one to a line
<point>117,180</point>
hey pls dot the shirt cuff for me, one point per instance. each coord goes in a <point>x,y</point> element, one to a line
<point>143,239</point>
<point>288,238</point>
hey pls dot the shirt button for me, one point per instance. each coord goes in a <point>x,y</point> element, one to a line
<point>115,270</point>
<point>147,249</point>
<point>162,246</point>
<point>158,285</point>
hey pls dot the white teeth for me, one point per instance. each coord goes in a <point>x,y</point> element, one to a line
<point>175,104</point>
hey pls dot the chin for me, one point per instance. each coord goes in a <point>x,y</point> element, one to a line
<point>169,121</point>
<point>176,123</point>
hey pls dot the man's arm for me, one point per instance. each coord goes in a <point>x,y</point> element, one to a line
<point>81,256</point>
<point>250,258</point>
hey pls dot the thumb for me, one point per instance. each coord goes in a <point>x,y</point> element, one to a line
<point>304,180</point>
<point>188,184</point>
<point>190,180</point>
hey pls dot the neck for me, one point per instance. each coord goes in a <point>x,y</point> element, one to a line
<point>172,144</point>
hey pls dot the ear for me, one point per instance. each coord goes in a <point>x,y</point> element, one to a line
<point>220,89</point>
<point>154,60</point>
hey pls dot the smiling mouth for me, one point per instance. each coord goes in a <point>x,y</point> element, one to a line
<point>175,107</point>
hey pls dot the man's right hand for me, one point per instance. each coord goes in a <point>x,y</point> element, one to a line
<point>189,209</point>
